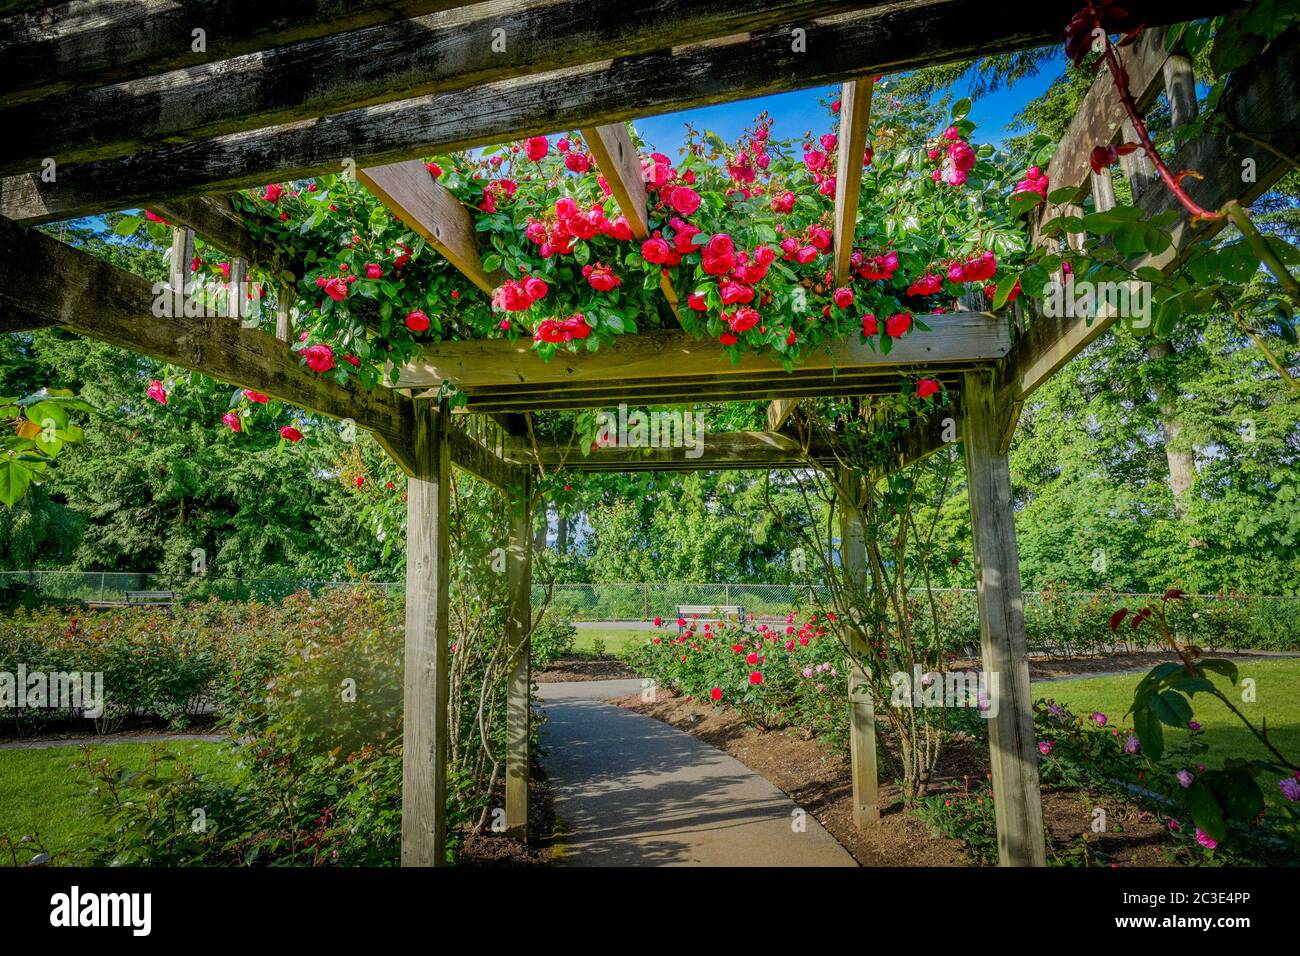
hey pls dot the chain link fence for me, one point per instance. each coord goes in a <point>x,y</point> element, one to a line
<point>1052,618</point>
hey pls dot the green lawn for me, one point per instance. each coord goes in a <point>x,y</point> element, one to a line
<point>618,641</point>
<point>1277,700</point>
<point>45,792</point>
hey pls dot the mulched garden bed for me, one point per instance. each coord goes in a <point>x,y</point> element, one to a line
<point>604,667</point>
<point>497,849</point>
<point>818,780</point>
<point>199,724</point>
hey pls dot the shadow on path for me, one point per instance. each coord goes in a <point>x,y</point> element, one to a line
<point>632,791</point>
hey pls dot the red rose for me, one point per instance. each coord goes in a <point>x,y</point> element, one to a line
<point>898,324</point>
<point>417,321</point>
<point>253,396</point>
<point>536,147</point>
<point>744,319</point>
<point>273,193</point>
<point>600,278</point>
<point>157,392</point>
<point>843,297</point>
<point>656,250</point>
<point>728,338</point>
<point>716,694</point>
<point>291,434</point>
<point>320,358</point>
<point>232,422</point>
<point>926,387</point>
<point>697,302</point>
<point>870,326</point>
<point>733,292</point>
<point>577,162</point>
<point>756,677</point>
<point>373,270</point>
<point>434,169</point>
<point>535,288</point>
<point>685,200</point>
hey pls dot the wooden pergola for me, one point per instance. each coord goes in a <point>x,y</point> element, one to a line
<point>135,111</point>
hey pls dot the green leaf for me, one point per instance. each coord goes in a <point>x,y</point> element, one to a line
<point>1171,708</point>
<point>1205,811</point>
<point>15,478</point>
<point>1004,289</point>
<point>961,108</point>
<point>1149,733</point>
<point>127,225</point>
<point>1221,666</point>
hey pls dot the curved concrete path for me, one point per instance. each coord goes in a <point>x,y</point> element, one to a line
<point>632,791</point>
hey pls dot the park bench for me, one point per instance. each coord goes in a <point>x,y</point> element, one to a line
<point>150,598</point>
<point>711,612</point>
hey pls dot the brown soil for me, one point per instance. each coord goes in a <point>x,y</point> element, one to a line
<point>605,667</point>
<point>494,849</point>
<point>818,780</point>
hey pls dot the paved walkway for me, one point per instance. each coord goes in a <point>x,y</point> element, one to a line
<point>633,791</point>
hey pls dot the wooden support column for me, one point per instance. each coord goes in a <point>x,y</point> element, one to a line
<point>178,271</point>
<point>518,710</point>
<point>284,312</point>
<point>1012,744</point>
<point>424,705</point>
<point>862,716</point>
<point>237,306</point>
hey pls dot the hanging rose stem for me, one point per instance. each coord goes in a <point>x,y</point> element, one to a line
<point>1120,77</point>
<point>1232,209</point>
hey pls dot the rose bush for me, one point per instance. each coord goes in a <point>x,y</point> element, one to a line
<point>741,231</point>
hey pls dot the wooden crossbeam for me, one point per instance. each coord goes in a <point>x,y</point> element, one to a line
<point>60,46</point>
<point>746,390</point>
<point>428,207</point>
<point>447,50</point>
<point>884,38</point>
<point>1263,96</point>
<point>719,451</point>
<point>618,160</point>
<point>53,284</point>
<point>956,338</point>
<point>855,118</point>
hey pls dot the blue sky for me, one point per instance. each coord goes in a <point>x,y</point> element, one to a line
<point>794,113</point>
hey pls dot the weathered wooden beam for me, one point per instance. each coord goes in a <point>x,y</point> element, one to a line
<point>862,718</point>
<point>885,38</point>
<point>426,665</point>
<point>429,208</point>
<point>778,411</point>
<point>1263,96</point>
<point>519,686</point>
<point>855,120</point>
<point>718,450</point>
<point>612,394</point>
<point>618,160</point>
<point>956,338</point>
<point>67,287</point>
<point>69,46</point>
<point>1013,746</point>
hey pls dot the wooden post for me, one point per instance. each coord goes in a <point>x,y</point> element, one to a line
<point>862,716</point>
<point>284,313</point>
<point>178,273</point>
<point>1012,744</point>
<point>235,307</point>
<point>424,706</point>
<point>518,712</point>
